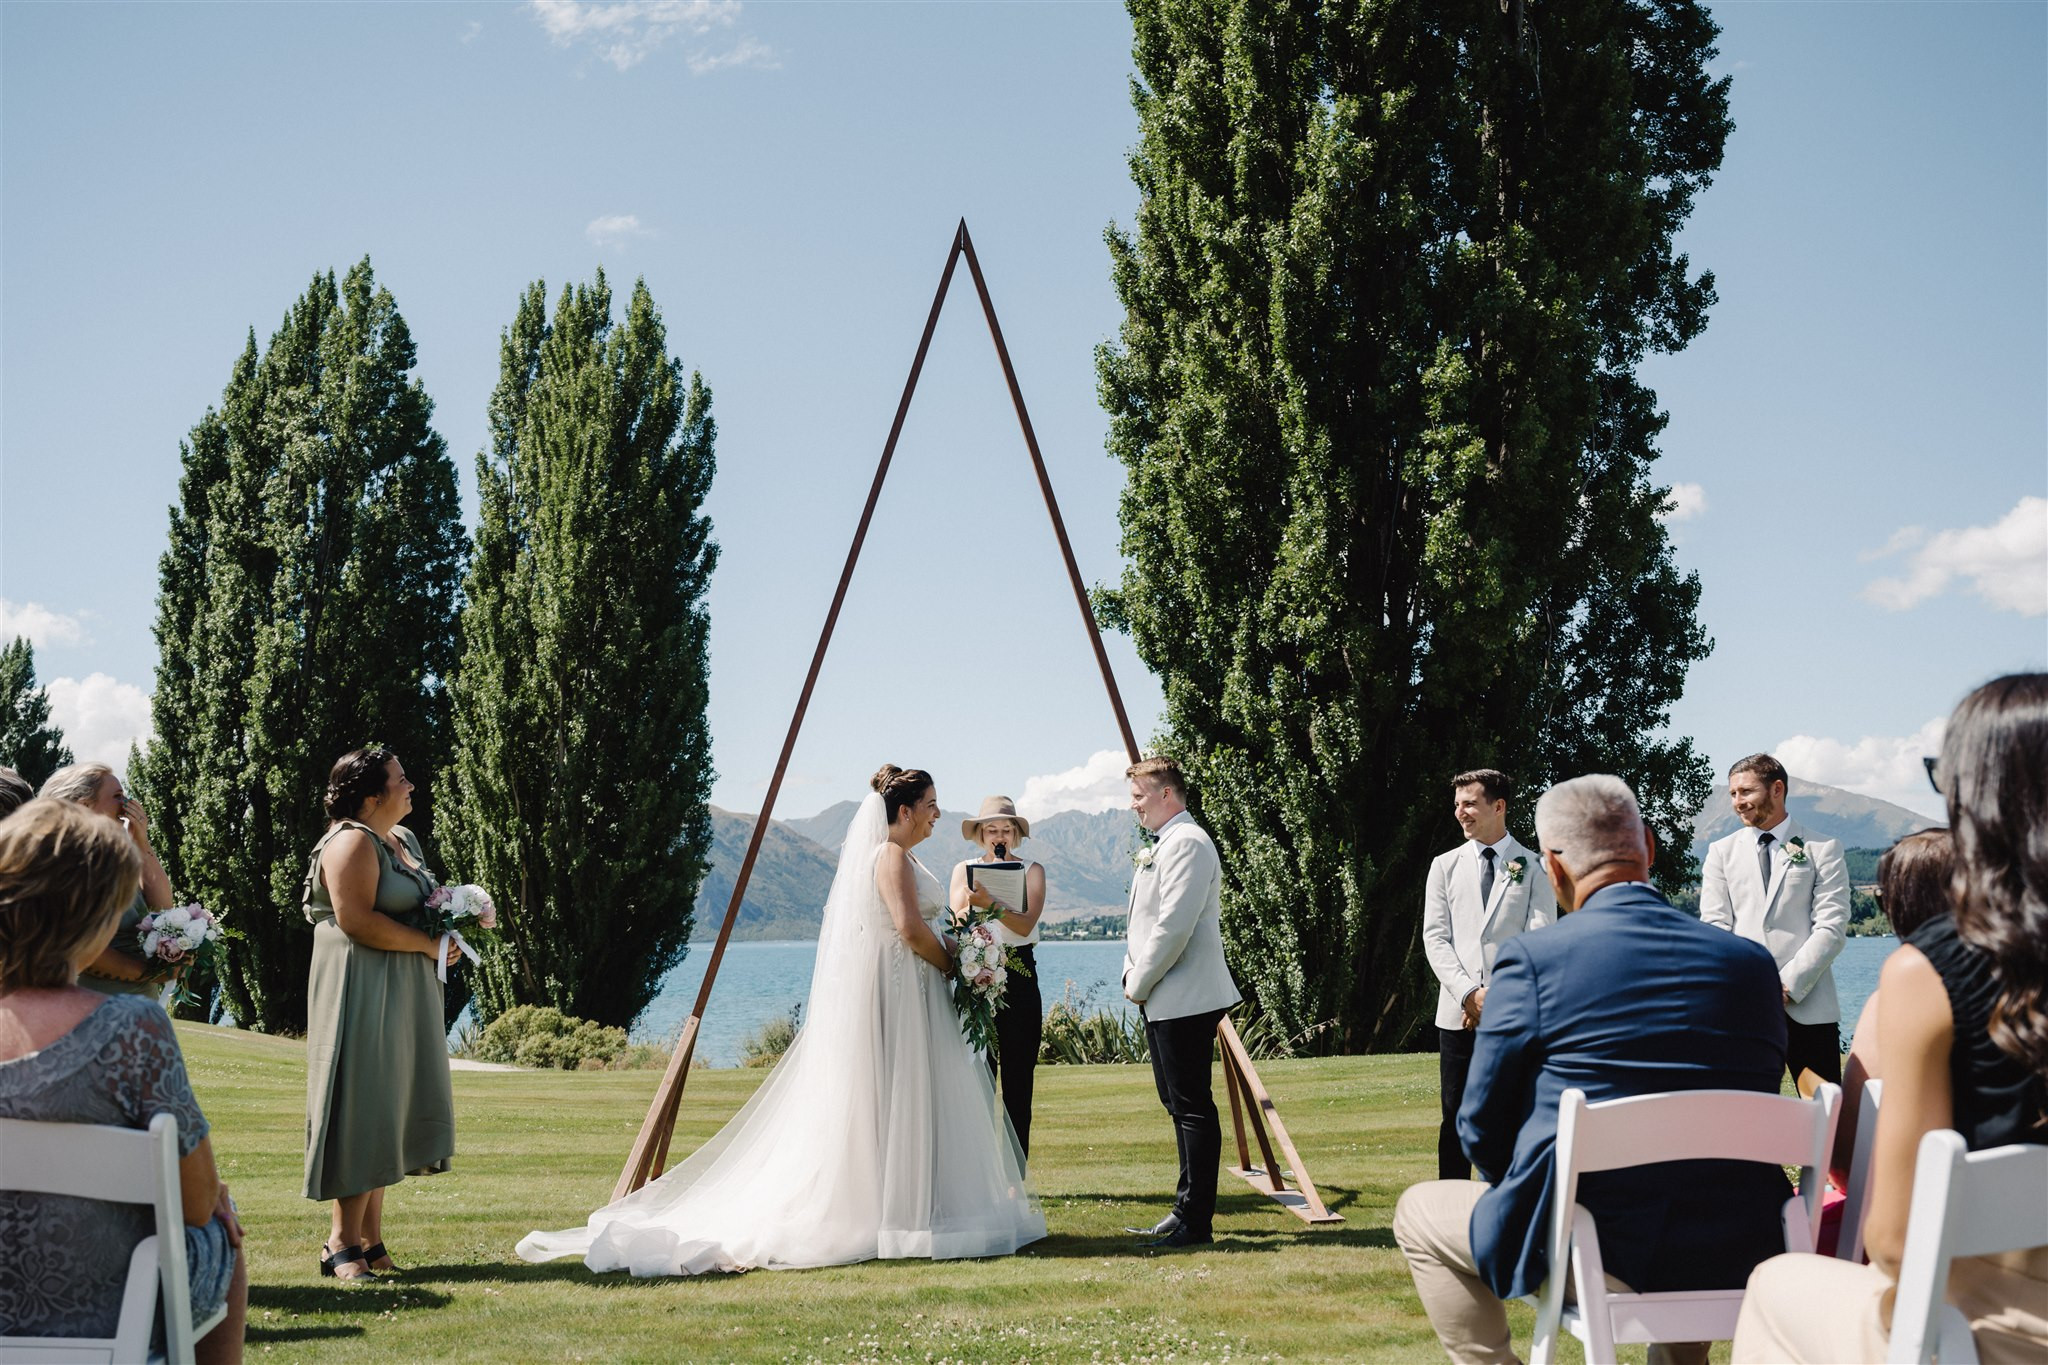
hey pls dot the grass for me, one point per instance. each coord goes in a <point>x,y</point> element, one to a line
<point>542,1148</point>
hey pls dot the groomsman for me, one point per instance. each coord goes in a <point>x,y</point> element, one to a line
<point>1480,895</point>
<point>1174,972</point>
<point>1774,883</point>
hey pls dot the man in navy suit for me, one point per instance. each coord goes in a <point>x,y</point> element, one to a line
<point>1623,996</point>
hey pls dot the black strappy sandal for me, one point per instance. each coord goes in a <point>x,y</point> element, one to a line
<point>373,1254</point>
<point>332,1261</point>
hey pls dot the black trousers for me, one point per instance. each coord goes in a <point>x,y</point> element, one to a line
<point>1453,1064</point>
<point>1815,1046</point>
<point>1020,1027</point>
<point>1182,1050</point>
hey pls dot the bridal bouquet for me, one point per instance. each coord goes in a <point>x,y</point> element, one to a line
<point>983,975</point>
<point>450,910</point>
<point>176,940</point>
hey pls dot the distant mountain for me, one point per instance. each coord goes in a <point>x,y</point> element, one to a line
<point>1858,821</point>
<point>786,895</point>
<point>1087,861</point>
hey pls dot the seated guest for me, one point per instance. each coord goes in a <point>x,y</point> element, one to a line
<point>1623,996</point>
<point>15,792</point>
<point>76,1056</point>
<point>1962,1022</point>
<point>119,970</point>
<point>1912,887</point>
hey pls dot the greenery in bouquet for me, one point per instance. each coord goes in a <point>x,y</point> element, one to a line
<point>179,944</point>
<point>981,975</point>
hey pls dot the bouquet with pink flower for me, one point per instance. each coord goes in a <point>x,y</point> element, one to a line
<point>451,909</point>
<point>175,941</point>
<point>983,975</point>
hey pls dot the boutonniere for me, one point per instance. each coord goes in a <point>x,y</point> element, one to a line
<point>1142,859</point>
<point>1515,868</point>
<point>1795,851</point>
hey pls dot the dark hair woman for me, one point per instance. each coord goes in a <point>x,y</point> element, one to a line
<point>1963,1029</point>
<point>378,1103</point>
<point>69,1055</point>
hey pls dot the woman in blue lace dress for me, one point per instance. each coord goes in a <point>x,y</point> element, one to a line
<point>71,1055</point>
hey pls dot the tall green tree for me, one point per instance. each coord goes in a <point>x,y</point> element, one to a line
<point>29,743</point>
<point>1389,509</point>
<point>306,606</point>
<point>582,777</point>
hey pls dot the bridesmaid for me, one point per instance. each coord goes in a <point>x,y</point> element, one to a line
<point>378,1102</point>
<point>119,970</point>
<point>1020,1019</point>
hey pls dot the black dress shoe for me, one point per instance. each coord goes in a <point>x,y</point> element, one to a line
<point>1183,1236</point>
<point>1164,1227</point>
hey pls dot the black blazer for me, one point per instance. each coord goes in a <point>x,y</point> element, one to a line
<point>1625,996</point>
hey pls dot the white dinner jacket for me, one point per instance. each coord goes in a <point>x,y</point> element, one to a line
<point>1461,936</point>
<point>1802,917</point>
<point>1173,959</point>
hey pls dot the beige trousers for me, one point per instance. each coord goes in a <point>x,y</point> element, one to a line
<point>1817,1310</point>
<point>1432,1223</point>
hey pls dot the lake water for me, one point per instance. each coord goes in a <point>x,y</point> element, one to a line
<point>758,982</point>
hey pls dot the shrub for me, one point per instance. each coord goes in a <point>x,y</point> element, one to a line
<point>1075,1039</point>
<point>543,1037</point>
<point>765,1046</point>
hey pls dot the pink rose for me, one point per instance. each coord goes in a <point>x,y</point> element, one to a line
<point>148,923</point>
<point>984,977</point>
<point>171,950</point>
<point>437,898</point>
<point>488,916</point>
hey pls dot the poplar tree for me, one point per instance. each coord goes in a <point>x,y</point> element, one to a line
<point>306,606</point>
<point>579,793</point>
<point>1388,509</point>
<point>29,743</point>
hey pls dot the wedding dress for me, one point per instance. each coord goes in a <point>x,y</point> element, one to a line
<point>877,1135</point>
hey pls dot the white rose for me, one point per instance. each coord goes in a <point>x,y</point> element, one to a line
<point>177,917</point>
<point>150,942</point>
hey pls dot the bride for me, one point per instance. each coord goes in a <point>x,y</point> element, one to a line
<point>877,1134</point>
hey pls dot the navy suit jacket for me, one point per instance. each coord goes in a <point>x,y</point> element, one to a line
<point>1624,996</point>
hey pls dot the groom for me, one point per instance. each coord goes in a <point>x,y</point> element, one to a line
<point>1174,972</point>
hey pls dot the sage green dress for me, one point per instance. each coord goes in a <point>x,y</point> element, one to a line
<point>378,1103</point>
<point>124,939</point>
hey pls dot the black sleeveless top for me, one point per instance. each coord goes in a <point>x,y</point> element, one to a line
<point>1995,1099</point>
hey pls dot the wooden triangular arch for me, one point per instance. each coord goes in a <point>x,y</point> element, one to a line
<point>1249,1100</point>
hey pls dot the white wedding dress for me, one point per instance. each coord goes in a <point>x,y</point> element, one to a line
<point>877,1135</point>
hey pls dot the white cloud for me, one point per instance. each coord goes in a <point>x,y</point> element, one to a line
<point>748,51</point>
<point>1096,785</point>
<point>476,26</point>
<point>1687,502</point>
<point>1883,766</point>
<point>39,625</point>
<point>625,32</point>
<point>2005,563</point>
<point>100,717</point>
<point>614,231</point>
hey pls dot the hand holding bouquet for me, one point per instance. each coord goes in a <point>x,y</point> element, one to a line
<point>982,976</point>
<point>173,941</point>
<point>451,909</point>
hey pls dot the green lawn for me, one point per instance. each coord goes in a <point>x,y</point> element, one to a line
<point>540,1149</point>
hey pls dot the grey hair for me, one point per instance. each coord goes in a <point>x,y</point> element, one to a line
<point>1590,821</point>
<point>79,782</point>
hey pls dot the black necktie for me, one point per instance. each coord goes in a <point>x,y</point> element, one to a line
<point>1485,876</point>
<point>1763,859</point>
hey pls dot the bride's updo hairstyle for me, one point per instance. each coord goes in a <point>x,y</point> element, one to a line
<point>900,787</point>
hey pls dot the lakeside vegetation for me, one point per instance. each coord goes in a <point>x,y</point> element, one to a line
<point>542,1148</point>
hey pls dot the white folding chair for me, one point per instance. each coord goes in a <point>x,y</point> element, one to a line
<point>1964,1204</point>
<point>1643,1130</point>
<point>1856,1205</point>
<point>121,1166</point>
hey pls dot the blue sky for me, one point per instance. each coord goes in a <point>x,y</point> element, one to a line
<point>1859,442</point>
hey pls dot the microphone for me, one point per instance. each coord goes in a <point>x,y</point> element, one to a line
<point>1002,853</point>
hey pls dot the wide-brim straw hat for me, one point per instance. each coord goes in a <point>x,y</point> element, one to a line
<point>995,808</point>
